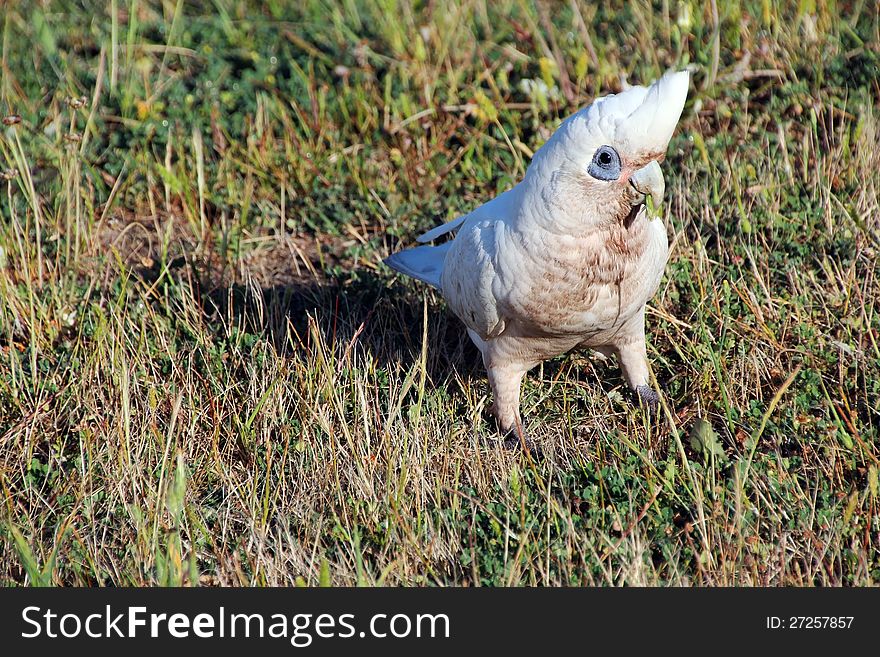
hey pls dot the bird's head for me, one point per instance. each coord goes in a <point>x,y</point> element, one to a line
<point>602,162</point>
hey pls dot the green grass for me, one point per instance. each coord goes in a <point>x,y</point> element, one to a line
<point>207,376</point>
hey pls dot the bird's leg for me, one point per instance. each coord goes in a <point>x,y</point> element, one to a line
<point>506,383</point>
<point>505,378</point>
<point>633,359</point>
<point>632,354</point>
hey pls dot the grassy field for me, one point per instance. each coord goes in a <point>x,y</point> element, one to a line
<point>208,377</point>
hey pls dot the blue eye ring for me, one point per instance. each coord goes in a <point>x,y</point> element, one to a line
<point>605,164</point>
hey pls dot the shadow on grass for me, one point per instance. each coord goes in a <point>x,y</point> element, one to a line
<point>363,313</point>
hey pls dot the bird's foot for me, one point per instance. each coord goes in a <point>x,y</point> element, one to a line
<point>648,398</point>
<point>519,440</point>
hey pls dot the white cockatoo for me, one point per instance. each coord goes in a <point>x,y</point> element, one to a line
<point>568,257</point>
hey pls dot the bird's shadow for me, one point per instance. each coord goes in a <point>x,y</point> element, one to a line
<point>391,324</point>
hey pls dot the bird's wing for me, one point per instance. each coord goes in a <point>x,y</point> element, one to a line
<point>442,229</point>
<point>471,276</point>
<point>497,207</point>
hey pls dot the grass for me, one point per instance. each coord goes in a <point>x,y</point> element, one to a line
<point>208,377</point>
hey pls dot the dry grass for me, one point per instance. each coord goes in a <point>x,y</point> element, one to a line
<point>207,376</point>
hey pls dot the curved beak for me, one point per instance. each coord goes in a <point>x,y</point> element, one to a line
<point>649,181</point>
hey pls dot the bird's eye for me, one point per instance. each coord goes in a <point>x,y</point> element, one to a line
<point>605,164</point>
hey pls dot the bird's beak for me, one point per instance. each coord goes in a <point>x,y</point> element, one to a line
<point>649,181</point>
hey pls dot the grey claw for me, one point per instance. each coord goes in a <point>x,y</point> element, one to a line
<point>512,440</point>
<point>648,397</point>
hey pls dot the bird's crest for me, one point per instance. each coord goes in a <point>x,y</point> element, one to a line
<point>642,118</point>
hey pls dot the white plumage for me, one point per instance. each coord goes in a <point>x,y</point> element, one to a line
<point>568,257</point>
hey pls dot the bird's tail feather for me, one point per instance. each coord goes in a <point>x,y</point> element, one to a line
<point>424,263</point>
